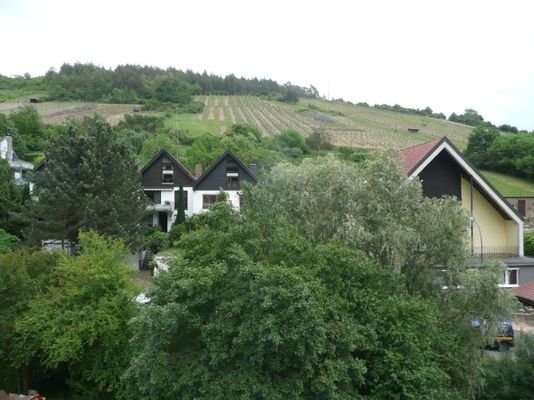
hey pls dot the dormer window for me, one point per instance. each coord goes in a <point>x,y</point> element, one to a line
<point>232,175</point>
<point>167,173</point>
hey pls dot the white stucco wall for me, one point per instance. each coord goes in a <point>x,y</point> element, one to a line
<point>233,198</point>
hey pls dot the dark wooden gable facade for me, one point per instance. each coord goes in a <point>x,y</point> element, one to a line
<point>442,177</point>
<point>227,173</point>
<point>165,172</point>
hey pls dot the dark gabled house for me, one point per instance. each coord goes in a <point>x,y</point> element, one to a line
<point>161,178</point>
<point>163,175</point>
<point>495,229</point>
<point>226,173</point>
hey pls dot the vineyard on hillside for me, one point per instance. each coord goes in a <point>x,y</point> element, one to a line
<point>344,124</point>
<point>56,112</point>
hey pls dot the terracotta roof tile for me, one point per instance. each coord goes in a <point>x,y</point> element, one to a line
<point>411,156</point>
<point>525,291</point>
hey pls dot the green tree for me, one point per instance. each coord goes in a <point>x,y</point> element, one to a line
<point>480,141</point>
<point>529,244</point>
<point>240,318</point>
<point>372,207</point>
<point>91,181</point>
<point>511,377</point>
<point>8,242</point>
<point>80,320</point>
<point>469,117</point>
<point>173,90</point>
<point>291,143</point>
<point>180,207</point>
<point>30,128</point>
<point>300,295</point>
<point>23,277</point>
<point>513,154</point>
<point>11,200</point>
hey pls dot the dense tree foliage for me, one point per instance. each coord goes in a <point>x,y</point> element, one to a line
<point>91,181</point>
<point>134,83</point>
<point>511,377</point>
<point>480,140</point>
<point>427,111</point>
<point>8,242</point>
<point>508,128</point>
<point>65,318</point>
<point>529,244</point>
<point>469,117</point>
<point>12,198</point>
<point>506,153</point>
<point>23,277</point>
<point>29,133</point>
<point>244,315</point>
<point>19,86</point>
<point>301,295</point>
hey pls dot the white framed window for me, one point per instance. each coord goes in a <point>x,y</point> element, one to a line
<point>511,277</point>
<point>167,173</point>
<point>208,200</point>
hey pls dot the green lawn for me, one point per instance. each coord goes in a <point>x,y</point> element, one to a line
<point>193,126</point>
<point>510,185</point>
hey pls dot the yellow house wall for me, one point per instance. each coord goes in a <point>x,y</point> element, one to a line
<point>496,231</point>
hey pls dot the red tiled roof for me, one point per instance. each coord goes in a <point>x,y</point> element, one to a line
<point>411,156</point>
<point>525,291</point>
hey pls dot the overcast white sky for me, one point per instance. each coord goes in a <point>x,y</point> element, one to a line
<point>449,55</point>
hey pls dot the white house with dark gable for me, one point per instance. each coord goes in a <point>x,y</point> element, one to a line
<point>227,173</point>
<point>161,179</point>
<point>162,176</point>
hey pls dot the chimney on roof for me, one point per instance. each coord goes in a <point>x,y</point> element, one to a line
<point>253,168</point>
<point>198,170</point>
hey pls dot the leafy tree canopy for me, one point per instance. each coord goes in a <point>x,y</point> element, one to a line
<point>78,322</point>
<point>469,117</point>
<point>301,295</point>
<point>243,315</point>
<point>11,200</point>
<point>23,277</point>
<point>479,143</point>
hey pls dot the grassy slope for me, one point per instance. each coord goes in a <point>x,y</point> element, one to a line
<point>510,185</point>
<point>345,124</point>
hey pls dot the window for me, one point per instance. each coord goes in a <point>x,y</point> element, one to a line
<point>154,196</point>
<point>232,175</point>
<point>522,207</point>
<point>208,200</point>
<point>176,199</point>
<point>511,277</point>
<point>167,173</point>
<point>232,181</point>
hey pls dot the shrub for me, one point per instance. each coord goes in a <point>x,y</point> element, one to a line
<point>8,242</point>
<point>176,233</point>
<point>318,140</point>
<point>156,240</point>
<point>529,244</point>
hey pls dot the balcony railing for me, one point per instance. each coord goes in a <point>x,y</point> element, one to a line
<point>166,206</point>
<point>495,251</point>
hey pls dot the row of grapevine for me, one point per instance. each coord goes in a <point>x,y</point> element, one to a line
<point>358,127</point>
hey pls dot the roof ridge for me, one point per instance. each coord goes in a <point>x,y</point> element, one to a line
<point>421,144</point>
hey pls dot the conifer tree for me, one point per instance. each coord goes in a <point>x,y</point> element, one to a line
<point>180,216</point>
<point>90,181</point>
